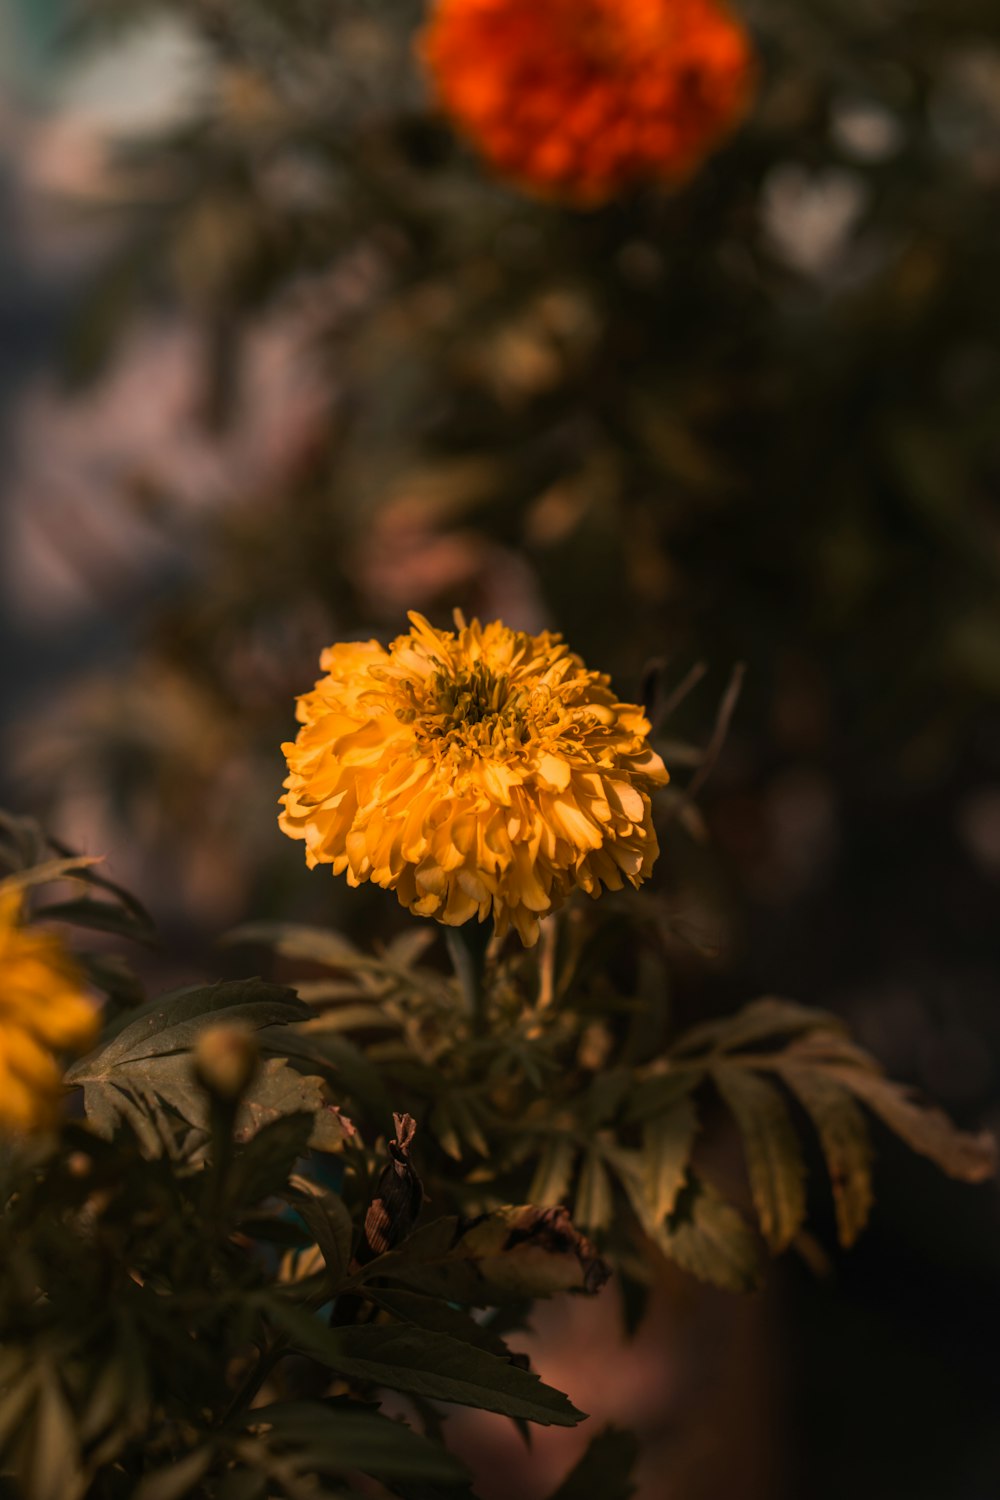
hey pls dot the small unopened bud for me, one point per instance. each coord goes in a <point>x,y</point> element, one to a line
<point>225,1060</point>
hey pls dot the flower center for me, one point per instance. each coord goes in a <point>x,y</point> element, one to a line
<point>475,698</point>
<point>477,710</point>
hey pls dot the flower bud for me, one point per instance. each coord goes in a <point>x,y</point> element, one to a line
<point>225,1061</point>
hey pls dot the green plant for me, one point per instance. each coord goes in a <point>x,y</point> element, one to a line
<point>210,1278</point>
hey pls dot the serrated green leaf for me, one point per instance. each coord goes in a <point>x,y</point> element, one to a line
<point>824,1049</point>
<point>926,1129</point>
<point>554,1173</point>
<point>438,1317</point>
<point>593,1206</point>
<point>48,871</point>
<point>336,1439</point>
<point>659,1092</point>
<point>846,1143</point>
<point>510,1254</point>
<point>667,1141</point>
<point>262,1166</point>
<point>408,946</point>
<point>760,1021</point>
<point>357,1076</point>
<point>153,1093</point>
<point>605,1469</point>
<point>330,1225</point>
<point>278,1090</point>
<point>773,1154</point>
<point>317,945</point>
<point>432,1365</point>
<point>98,916</point>
<point>708,1237</point>
<point>171,1023</point>
<point>343,1017</point>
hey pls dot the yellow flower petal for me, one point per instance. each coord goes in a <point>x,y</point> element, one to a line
<point>43,1008</point>
<point>472,771</point>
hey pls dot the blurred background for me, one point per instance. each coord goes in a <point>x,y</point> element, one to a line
<point>280,360</point>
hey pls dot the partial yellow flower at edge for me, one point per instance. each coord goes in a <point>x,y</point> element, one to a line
<point>43,1009</point>
<point>475,771</point>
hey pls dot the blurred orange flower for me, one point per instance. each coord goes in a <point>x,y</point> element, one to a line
<point>579,99</point>
<point>43,1008</point>
<point>469,771</point>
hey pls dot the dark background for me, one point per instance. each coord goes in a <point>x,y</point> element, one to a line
<point>279,360</point>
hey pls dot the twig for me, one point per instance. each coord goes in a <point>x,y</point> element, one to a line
<point>687,685</point>
<point>722,721</point>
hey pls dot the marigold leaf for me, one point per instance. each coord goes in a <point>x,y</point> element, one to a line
<point>825,1049</point>
<point>758,1022</point>
<point>278,1090</point>
<point>510,1254</point>
<point>326,1217</point>
<point>659,1092</point>
<point>554,1173</point>
<point>293,940</point>
<point>99,916</point>
<point>437,1317</point>
<point>171,1023</point>
<point>432,1365</point>
<point>262,1166</point>
<point>846,1143</point>
<point>336,1439</point>
<point>49,870</point>
<point>773,1154</point>
<point>928,1130</point>
<point>708,1237</point>
<point>152,1093</point>
<point>667,1140</point>
<point>594,1200</point>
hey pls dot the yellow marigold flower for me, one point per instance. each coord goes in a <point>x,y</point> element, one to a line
<point>578,99</point>
<point>472,771</point>
<point>43,1009</point>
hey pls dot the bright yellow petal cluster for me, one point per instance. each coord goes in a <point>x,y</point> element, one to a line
<point>472,771</point>
<point>43,1009</point>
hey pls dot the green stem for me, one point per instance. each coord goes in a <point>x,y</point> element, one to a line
<point>467,947</point>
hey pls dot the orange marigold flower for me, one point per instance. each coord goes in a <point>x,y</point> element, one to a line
<point>472,771</point>
<point>579,99</point>
<point>43,1009</point>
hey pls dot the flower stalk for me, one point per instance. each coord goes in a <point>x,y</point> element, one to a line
<point>467,947</point>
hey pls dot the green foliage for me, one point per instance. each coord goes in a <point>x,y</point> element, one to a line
<point>526,1113</point>
<point>144,1074</point>
<point>167,1261</point>
<point>680,431</point>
